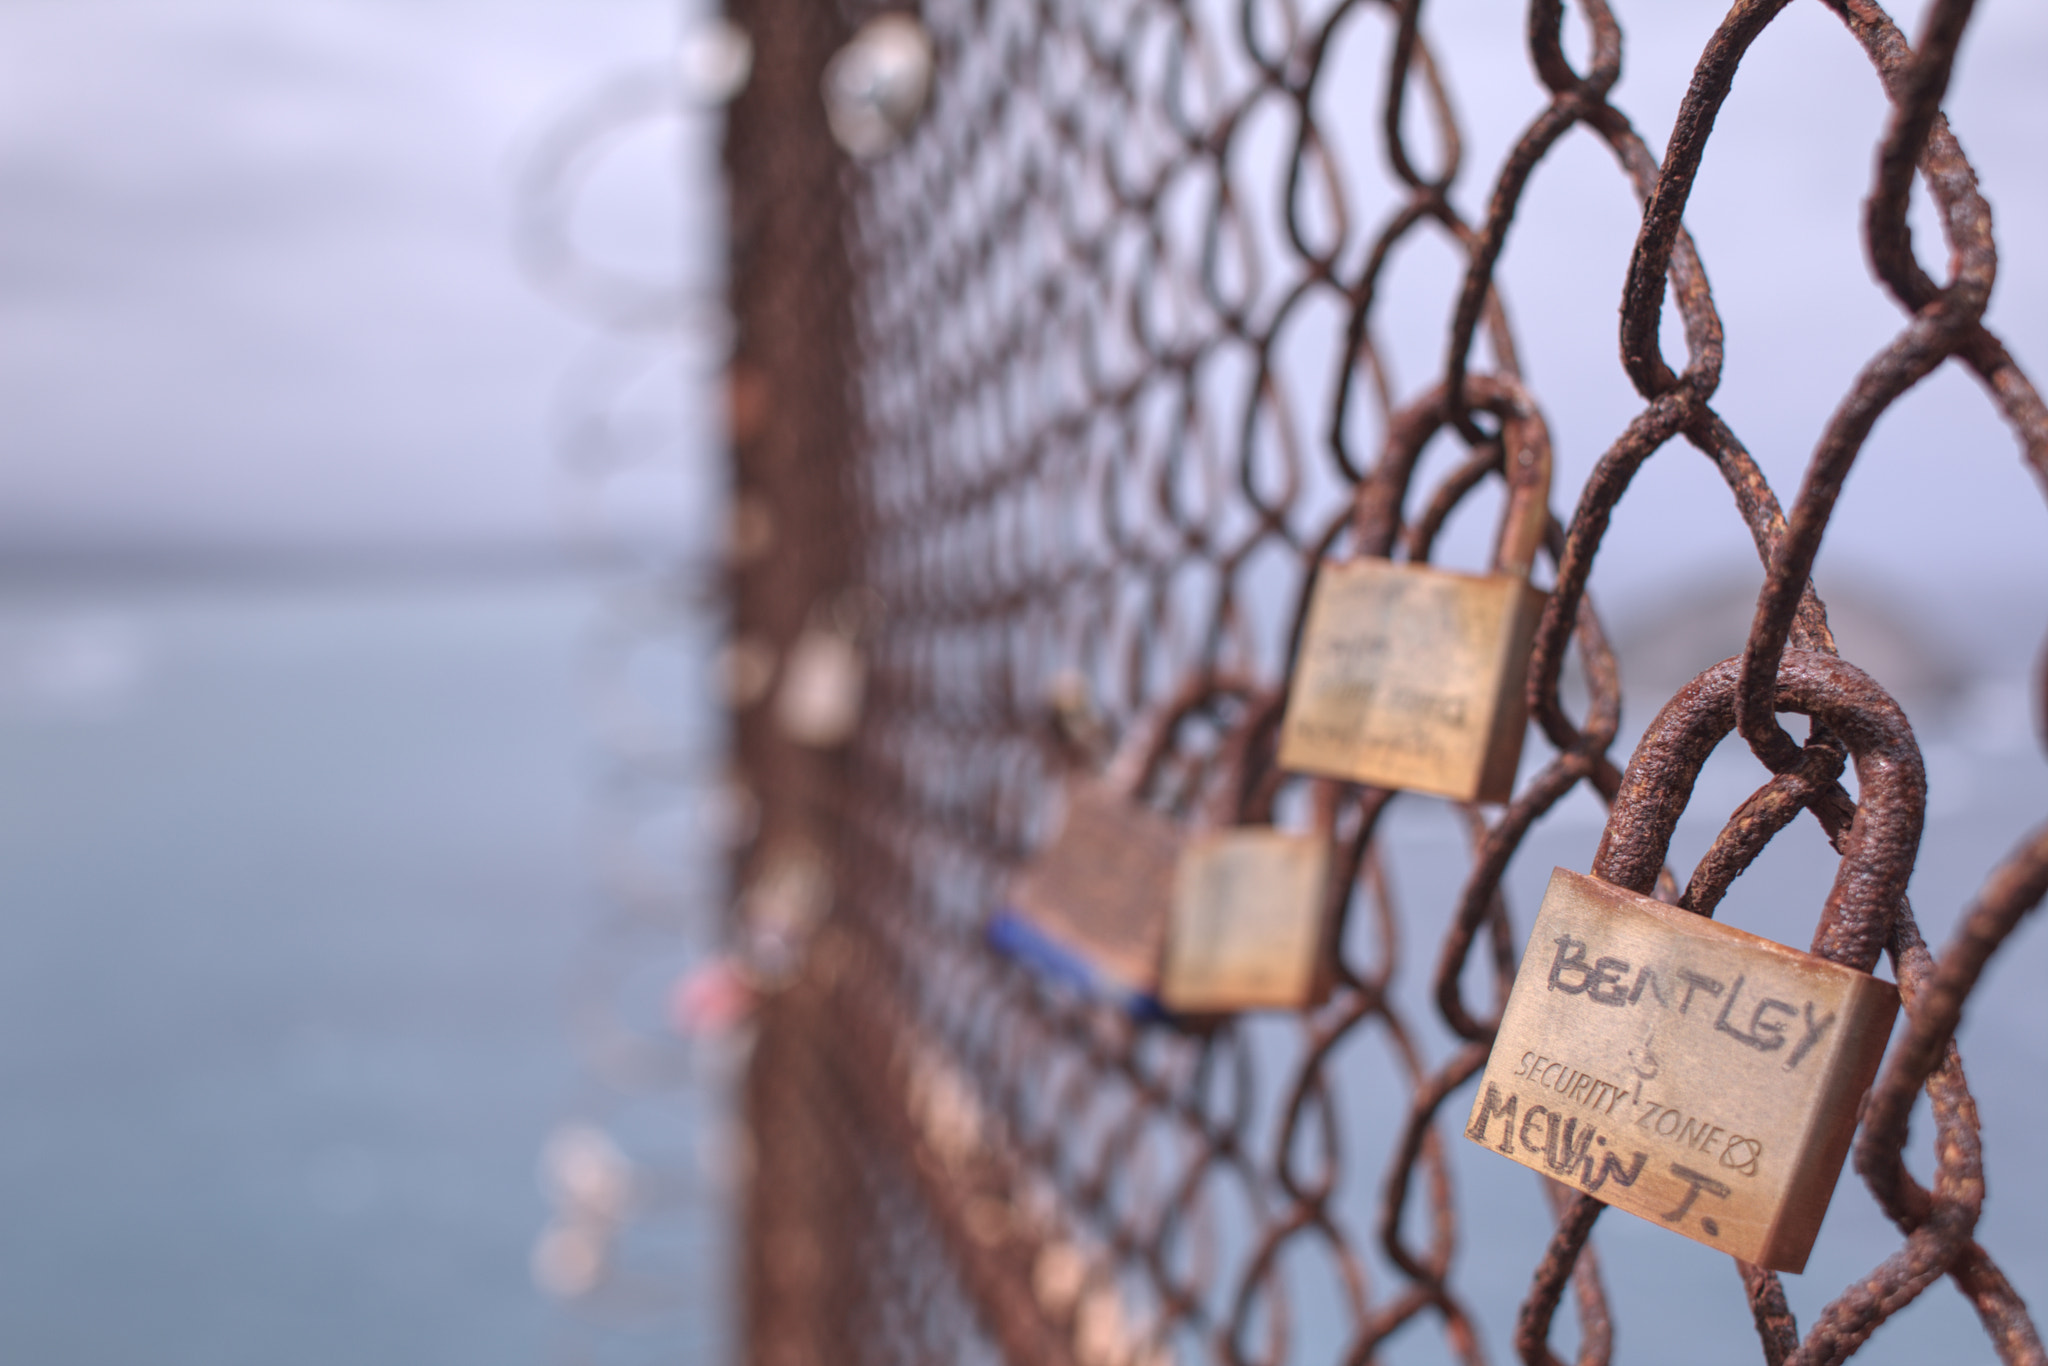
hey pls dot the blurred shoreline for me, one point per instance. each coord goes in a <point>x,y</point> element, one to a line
<point>255,565</point>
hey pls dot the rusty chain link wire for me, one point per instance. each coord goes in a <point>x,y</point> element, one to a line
<point>1031,383</point>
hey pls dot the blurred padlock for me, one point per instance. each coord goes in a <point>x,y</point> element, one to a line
<point>1683,1070</point>
<point>714,60</point>
<point>823,681</point>
<point>875,87</point>
<point>824,676</point>
<point>1091,908</point>
<point>1413,677</point>
<point>1130,905</point>
<point>787,894</point>
<point>1249,925</point>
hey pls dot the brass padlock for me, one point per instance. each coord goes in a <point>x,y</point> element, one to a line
<point>1132,906</point>
<point>1413,677</point>
<point>1249,928</point>
<point>1683,1070</point>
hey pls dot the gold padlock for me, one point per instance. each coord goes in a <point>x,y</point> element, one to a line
<point>1683,1070</point>
<point>1130,905</point>
<point>1413,677</point>
<point>1249,929</point>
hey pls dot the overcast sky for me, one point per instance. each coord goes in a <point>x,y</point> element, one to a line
<point>256,275</point>
<point>258,288</point>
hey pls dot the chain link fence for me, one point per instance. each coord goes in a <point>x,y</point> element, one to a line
<point>1050,412</point>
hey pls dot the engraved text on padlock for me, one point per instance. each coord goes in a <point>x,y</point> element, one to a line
<point>1682,1070</point>
<point>1412,677</point>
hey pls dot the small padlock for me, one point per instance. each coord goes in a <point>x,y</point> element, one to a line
<point>1131,906</point>
<point>1249,928</point>
<point>1091,908</point>
<point>1683,1070</point>
<point>1413,677</point>
<point>824,678</point>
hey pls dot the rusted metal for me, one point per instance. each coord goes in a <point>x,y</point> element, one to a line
<point>1025,381</point>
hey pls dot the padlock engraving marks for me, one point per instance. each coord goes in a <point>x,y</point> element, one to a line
<point>1248,924</point>
<point>1412,677</point>
<point>1683,1070</point>
<point>1103,888</point>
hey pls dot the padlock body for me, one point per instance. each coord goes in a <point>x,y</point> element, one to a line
<point>1682,1070</point>
<point>1249,928</point>
<point>1093,905</point>
<point>1411,677</point>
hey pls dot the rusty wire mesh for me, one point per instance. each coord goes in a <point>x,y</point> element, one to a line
<point>1031,381</point>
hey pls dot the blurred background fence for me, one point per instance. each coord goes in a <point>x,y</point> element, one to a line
<point>1046,396</point>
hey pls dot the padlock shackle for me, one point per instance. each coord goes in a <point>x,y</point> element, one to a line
<point>1883,840</point>
<point>1137,761</point>
<point>1525,462</point>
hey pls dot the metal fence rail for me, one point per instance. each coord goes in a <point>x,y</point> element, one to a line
<point>1022,405</point>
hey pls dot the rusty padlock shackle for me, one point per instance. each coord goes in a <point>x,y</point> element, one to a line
<point>1882,842</point>
<point>1525,442</point>
<point>1135,764</point>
